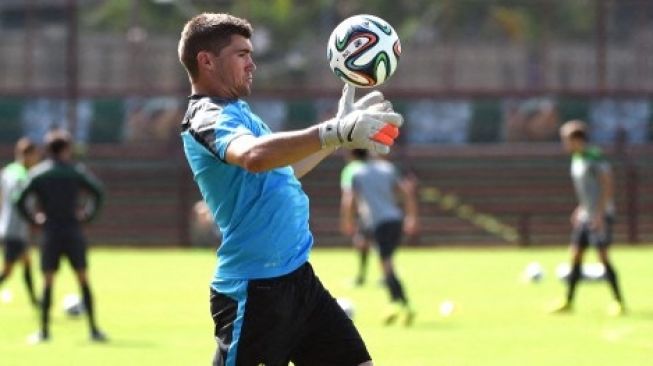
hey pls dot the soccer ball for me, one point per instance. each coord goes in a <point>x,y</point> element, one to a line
<point>72,305</point>
<point>447,308</point>
<point>589,271</point>
<point>533,272</point>
<point>364,50</point>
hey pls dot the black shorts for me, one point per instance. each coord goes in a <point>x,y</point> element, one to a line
<point>289,318</point>
<point>68,243</point>
<point>583,236</point>
<point>14,249</point>
<point>388,237</point>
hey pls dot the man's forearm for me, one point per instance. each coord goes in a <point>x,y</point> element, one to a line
<point>23,211</point>
<point>259,154</point>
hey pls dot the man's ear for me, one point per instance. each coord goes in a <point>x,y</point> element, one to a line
<point>204,60</point>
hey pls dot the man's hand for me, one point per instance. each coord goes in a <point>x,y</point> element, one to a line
<point>411,225</point>
<point>347,105</point>
<point>573,219</point>
<point>40,218</point>
<point>369,123</point>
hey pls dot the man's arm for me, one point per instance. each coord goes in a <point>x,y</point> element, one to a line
<point>94,187</point>
<point>347,205</point>
<point>606,180</point>
<point>371,124</point>
<point>258,154</point>
<point>21,203</point>
<point>408,190</point>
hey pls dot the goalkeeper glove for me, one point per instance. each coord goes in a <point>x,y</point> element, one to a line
<point>369,123</point>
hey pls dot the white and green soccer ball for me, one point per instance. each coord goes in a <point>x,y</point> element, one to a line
<point>363,50</point>
<point>72,305</point>
<point>534,272</point>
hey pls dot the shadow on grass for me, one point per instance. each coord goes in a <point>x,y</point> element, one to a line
<point>122,343</point>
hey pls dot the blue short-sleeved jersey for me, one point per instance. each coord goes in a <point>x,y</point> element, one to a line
<point>264,216</point>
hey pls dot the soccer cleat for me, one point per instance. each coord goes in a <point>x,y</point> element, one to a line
<point>98,337</point>
<point>409,316</point>
<point>392,313</point>
<point>616,309</point>
<point>37,338</point>
<point>360,281</point>
<point>562,308</point>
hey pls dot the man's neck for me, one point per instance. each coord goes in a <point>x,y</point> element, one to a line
<point>200,89</point>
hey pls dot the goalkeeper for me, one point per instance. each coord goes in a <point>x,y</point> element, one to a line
<point>268,306</point>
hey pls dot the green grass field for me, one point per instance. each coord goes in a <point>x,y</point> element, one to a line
<point>153,304</point>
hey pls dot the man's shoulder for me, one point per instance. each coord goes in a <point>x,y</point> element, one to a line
<point>594,153</point>
<point>204,112</point>
<point>80,168</point>
<point>40,169</point>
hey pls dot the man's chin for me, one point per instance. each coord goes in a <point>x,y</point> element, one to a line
<point>244,92</point>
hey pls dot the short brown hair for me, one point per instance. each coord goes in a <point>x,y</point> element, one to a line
<point>24,146</point>
<point>57,141</point>
<point>208,32</point>
<point>574,129</point>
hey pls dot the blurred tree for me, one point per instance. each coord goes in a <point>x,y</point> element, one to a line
<point>118,15</point>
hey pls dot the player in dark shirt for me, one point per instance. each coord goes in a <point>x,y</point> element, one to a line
<point>66,196</point>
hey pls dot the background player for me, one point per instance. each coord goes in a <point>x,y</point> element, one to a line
<point>58,184</point>
<point>267,304</point>
<point>593,217</point>
<point>14,230</point>
<point>363,235</point>
<point>376,189</point>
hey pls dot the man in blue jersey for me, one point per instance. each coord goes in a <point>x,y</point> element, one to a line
<point>268,306</point>
<point>593,217</point>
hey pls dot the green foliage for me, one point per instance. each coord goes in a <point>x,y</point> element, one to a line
<point>294,22</point>
<point>120,15</point>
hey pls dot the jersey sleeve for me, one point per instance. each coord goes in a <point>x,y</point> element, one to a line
<point>216,126</point>
<point>227,128</point>
<point>346,177</point>
<point>599,162</point>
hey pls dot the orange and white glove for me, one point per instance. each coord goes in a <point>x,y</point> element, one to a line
<point>369,123</point>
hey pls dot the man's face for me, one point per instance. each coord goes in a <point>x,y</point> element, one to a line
<point>32,158</point>
<point>572,145</point>
<point>234,68</point>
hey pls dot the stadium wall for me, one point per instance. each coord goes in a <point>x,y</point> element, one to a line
<point>506,194</point>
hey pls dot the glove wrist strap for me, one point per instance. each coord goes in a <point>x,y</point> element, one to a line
<point>330,134</point>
